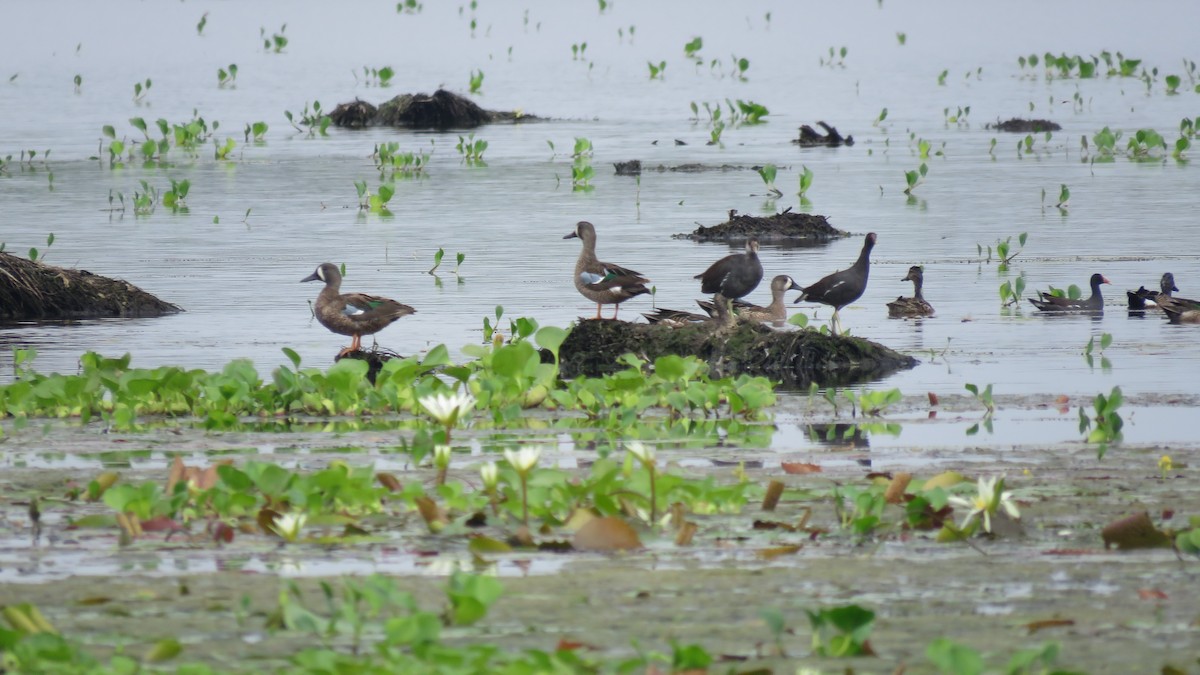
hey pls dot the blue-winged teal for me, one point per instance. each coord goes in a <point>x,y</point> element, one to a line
<point>1138,298</point>
<point>1056,303</point>
<point>776,312</point>
<point>916,305</point>
<point>843,287</point>
<point>353,314</point>
<point>603,283</point>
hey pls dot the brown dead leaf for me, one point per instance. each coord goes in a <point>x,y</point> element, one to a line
<point>434,516</point>
<point>266,520</point>
<point>1062,399</point>
<point>606,534</point>
<point>799,468</point>
<point>772,525</point>
<point>684,536</point>
<point>160,524</point>
<point>200,479</point>
<point>223,533</point>
<point>565,645</point>
<point>1035,626</point>
<point>1134,531</point>
<point>895,490</point>
<point>774,492</point>
<point>389,481</point>
<point>1151,594</point>
<point>775,552</point>
<point>933,398</point>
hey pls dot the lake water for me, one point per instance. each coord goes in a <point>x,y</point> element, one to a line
<point>237,276</point>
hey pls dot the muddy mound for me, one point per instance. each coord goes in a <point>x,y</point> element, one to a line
<point>634,167</point>
<point>780,227</point>
<point>442,110</point>
<point>793,357</point>
<point>811,138</point>
<point>1022,126</point>
<point>34,291</point>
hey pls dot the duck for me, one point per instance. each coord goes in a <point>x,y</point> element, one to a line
<point>1138,298</point>
<point>776,312</point>
<point>677,318</point>
<point>734,276</point>
<point>1179,310</point>
<point>603,283</point>
<point>353,314</point>
<point>1058,303</point>
<point>842,287</point>
<point>916,305</point>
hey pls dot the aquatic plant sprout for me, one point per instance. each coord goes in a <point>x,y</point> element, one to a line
<point>989,498</point>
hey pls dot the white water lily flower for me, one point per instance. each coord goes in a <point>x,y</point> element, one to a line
<point>986,502</point>
<point>288,525</point>
<point>447,409</point>
<point>524,459</point>
<point>441,456</point>
<point>645,454</point>
<point>490,473</point>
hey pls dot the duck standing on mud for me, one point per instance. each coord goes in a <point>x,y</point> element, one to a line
<point>843,287</point>
<point>603,283</point>
<point>733,276</point>
<point>353,314</point>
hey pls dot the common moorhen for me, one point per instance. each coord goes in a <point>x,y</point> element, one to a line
<point>733,276</point>
<point>776,312</point>
<point>916,305</point>
<point>603,283</point>
<point>353,314</point>
<point>1059,303</point>
<point>844,287</point>
<point>1138,298</point>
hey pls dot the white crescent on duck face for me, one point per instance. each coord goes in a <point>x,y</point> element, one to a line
<point>353,314</point>
<point>603,283</point>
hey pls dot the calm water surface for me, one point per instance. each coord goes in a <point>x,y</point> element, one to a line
<point>238,277</point>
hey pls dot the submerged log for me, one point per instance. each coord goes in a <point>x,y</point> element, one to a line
<point>1024,126</point>
<point>442,110</point>
<point>32,291</point>
<point>796,358</point>
<point>777,228</point>
<point>811,138</point>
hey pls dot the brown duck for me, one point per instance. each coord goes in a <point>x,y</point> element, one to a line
<point>916,305</point>
<point>1058,303</point>
<point>776,312</point>
<point>603,283</point>
<point>353,314</point>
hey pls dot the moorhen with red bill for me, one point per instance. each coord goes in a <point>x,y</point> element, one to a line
<point>843,287</point>
<point>1058,303</point>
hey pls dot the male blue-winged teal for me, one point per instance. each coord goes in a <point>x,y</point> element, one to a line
<point>733,276</point>
<point>916,305</point>
<point>353,314</point>
<point>776,312</point>
<point>603,283</point>
<point>843,287</point>
<point>1057,303</point>
<point>1138,298</point>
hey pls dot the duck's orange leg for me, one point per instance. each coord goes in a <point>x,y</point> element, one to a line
<point>597,310</point>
